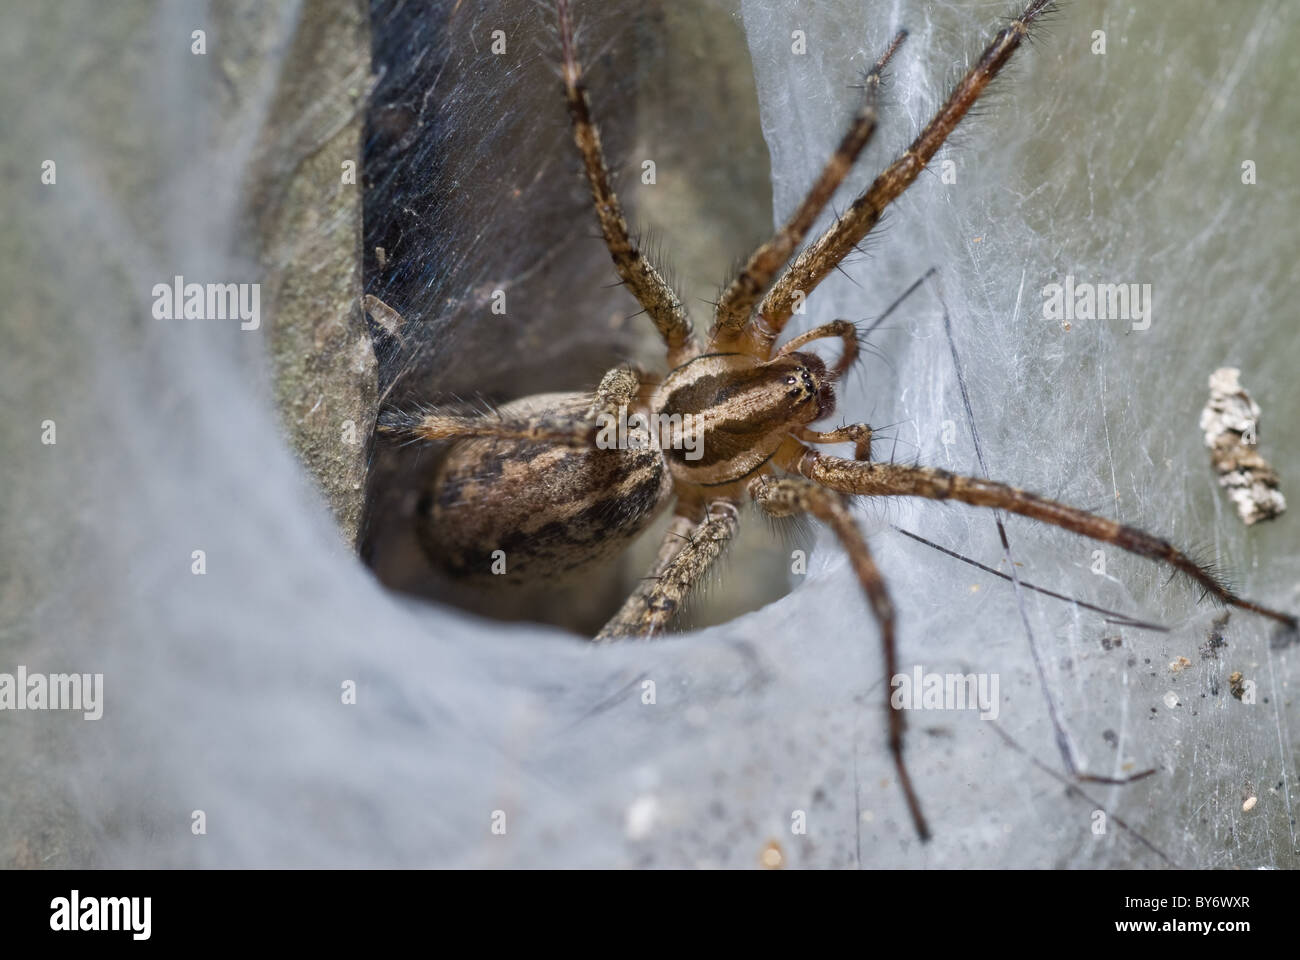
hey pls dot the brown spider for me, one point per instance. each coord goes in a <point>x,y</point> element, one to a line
<point>545,489</point>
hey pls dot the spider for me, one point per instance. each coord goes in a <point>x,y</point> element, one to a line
<point>544,489</point>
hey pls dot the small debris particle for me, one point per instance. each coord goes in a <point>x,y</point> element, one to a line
<point>1230,421</point>
<point>1111,737</point>
<point>388,319</point>
<point>1111,643</point>
<point>1171,700</point>
<point>1237,684</point>
<point>1214,641</point>
<point>772,858</point>
<point>1179,665</point>
<point>1249,805</point>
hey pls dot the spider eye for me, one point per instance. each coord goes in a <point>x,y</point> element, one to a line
<point>791,380</point>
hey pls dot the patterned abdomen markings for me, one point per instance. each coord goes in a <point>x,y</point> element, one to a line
<point>552,509</point>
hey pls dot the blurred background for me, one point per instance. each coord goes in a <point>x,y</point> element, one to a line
<point>223,690</point>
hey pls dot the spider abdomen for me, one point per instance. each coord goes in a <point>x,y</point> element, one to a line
<point>515,511</point>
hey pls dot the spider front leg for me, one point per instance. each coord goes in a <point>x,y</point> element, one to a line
<point>689,548</point>
<point>647,284</point>
<point>781,497</point>
<point>858,434</point>
<point>896,480</point>
<point>842,330</point>
<point>737,301</point>
<point>815,263</point>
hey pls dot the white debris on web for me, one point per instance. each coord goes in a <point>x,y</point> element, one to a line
<point>1230,422</point>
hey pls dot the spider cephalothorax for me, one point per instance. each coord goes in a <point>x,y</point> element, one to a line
<point>539,488</point>
<point>737,412</point>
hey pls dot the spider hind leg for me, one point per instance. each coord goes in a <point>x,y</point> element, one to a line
<point>688,550</point>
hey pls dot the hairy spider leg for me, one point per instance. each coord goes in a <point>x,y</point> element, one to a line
<point>655,295</point>
<point>783,496</point>
<point>738,300</point>
<point>824,254</point>
<point>693,542</point>
<point>875,479</point>
<point>618,388</point>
